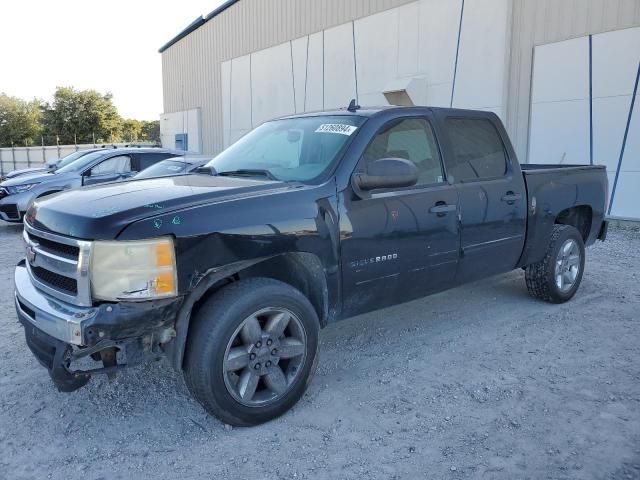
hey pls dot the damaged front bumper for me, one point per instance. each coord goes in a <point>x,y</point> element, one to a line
<point>61,335</point>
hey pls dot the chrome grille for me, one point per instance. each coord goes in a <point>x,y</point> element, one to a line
<point>60,282</point>
<point>67,251</point>
<point>59,265</point>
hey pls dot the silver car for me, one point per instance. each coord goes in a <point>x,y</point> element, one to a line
<point>101,166</point>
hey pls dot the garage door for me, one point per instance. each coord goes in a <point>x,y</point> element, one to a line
<point>585,109</point>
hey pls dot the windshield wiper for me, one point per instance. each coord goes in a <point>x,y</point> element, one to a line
<point>248,172</point>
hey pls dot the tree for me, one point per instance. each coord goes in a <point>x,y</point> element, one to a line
<point>77,116</point>
<point>151,131</point>
<point>131,130</point>
<point>19,121</point>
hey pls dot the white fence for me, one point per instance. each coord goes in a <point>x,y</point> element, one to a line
<point>25,157</point>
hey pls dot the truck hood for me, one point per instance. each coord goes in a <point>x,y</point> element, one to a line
<point>102,212</point>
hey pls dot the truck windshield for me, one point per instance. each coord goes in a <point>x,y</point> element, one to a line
<point>293,149</point>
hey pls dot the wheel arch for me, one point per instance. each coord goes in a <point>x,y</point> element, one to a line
<point>580,217</point>
<point>303,271</point>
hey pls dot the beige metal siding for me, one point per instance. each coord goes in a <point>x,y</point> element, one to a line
<point>537,22</point>
<point>191,74</point>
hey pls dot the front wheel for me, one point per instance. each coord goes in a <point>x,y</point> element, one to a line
<point>557,276</point>
<point>252,351</point>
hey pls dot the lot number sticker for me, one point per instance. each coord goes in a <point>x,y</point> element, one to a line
<point>337,128</point>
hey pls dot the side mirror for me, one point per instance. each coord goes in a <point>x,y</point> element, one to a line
<point>387,173</point>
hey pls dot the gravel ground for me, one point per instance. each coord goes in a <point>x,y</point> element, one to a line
<point>478,382</point>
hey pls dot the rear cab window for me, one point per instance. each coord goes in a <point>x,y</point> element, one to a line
<point>478,152</point>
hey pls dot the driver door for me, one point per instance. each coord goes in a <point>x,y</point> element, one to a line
<point>404,243</point>
<point>109,170</point>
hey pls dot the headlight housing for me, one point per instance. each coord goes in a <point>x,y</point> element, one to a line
<point>134,270</point>
<point>22,188</point>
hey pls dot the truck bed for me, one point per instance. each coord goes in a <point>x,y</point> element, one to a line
<point>549,186</point>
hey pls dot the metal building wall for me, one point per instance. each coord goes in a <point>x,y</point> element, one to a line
<point>191,68</point>
<point>538,22</point>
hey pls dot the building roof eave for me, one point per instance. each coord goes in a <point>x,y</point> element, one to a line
<point>197,23</point>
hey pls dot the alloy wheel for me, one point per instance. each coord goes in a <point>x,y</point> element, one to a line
<point>264,356</point>
<point>568,264</point>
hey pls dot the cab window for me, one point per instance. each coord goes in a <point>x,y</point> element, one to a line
<point>411,139</point>
<point>478,151</point>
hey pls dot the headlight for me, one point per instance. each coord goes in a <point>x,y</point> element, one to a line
<point>138,270</point>
<point>22,188</point>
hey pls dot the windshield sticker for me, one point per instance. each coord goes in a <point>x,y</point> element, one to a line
<point>337,128</point>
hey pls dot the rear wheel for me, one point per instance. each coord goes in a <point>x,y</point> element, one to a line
<point>557,276</point>
<point>252,351</point>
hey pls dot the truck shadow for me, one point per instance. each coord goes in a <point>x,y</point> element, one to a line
<point>155,395</point>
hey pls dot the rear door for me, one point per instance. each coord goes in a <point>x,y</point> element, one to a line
<point>400,244</point>
<point>491,195</point>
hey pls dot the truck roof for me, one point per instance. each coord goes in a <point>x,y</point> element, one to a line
<point>374,110</point>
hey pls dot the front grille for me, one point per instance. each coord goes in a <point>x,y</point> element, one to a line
<point>11,210</point>
<point>58,265</point>
<point>54,280</point>
<point>67,251</point>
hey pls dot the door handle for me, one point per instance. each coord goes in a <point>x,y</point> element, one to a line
<point>441,209</point>
<point>511,197</point>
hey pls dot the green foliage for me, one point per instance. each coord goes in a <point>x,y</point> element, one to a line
<point>151,131</point>
<point>141,131</point>
<point>19,121</point>
<point>76,116</point>
<point>131,130</point>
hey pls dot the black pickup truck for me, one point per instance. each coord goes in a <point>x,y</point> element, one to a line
<point>230,272</point>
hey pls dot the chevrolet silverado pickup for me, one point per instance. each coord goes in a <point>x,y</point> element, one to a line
<point>231,271</point>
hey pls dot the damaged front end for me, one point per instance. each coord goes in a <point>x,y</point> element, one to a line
<point>66,338</point>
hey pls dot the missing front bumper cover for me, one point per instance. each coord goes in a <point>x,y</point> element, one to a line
<point>59,358</point>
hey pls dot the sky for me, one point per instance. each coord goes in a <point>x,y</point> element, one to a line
<point>109,46</point>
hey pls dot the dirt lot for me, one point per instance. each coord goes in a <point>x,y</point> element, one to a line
<point>478,382</point>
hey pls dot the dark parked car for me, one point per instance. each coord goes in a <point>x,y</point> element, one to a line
<point>100,166</point>
<point>173,166</point>
<point>304,221</point>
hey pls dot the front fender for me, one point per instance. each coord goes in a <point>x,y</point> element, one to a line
<point>202,283</point>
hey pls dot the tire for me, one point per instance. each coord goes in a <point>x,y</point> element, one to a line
<point>225,324</point>
<point>554,279</point>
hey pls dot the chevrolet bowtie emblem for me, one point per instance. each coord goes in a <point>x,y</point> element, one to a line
<point>31,255</point>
